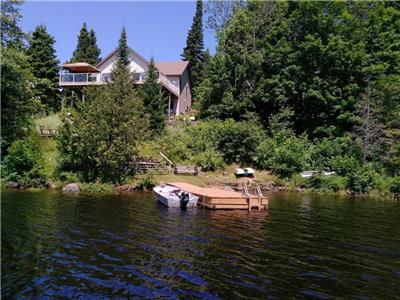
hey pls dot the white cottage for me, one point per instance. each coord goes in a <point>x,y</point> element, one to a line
<point>173,76</point>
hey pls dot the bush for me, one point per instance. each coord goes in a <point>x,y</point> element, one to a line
<point>174,144</point>
<point>344,165</point>
<point>284,156</point>
<point>394,187</point>
<point>96,187</point>
<point>327,151</point>
<point>24,163</point>
<point>147,182</point>
<point>210,160</point>
<point>238,141</point>
<point>233,141</point>
<point>327,183</point>
<point>68,177</point>
<point>363,180</point>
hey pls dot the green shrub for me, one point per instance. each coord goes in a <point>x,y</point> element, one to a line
<point>394,187</point>
<point>147,182</point>
<point>284,156</point>
<point>363,180</point>
<point>96,187</point>
<point>210,160</point>
<point>24,163</point>
<point>327,183</point>
<point>68,177</point>
<point>326,152</point>
<point>344,165</point>
<point>174,144</point>
<point>238,141</point>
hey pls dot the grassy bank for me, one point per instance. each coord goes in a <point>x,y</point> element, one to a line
<point>190,145</point>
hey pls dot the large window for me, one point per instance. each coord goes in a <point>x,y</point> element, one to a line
<point>138,76</point>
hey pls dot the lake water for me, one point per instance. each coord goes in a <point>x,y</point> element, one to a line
<point>129,246</point>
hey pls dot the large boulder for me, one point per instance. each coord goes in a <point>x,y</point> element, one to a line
<point>13,185</point>
<point>71,188</point>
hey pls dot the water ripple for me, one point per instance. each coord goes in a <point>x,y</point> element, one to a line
<point>129,246</point>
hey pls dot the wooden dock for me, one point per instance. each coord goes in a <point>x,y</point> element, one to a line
<point>214,198</point>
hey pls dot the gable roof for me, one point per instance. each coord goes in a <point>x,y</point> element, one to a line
<point>172,67</point>
<point>115,51</point>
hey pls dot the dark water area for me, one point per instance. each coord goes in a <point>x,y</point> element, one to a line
<point>131,247</point>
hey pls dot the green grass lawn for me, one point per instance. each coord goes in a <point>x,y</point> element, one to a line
<point>49,122</point>
<point>49,147</point>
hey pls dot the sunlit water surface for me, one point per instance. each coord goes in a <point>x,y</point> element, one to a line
<point>129,246</point>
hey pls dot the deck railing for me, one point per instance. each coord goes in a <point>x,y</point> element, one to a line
<point>91,78</point>
<point>82,78</point>
<point>79,79</point>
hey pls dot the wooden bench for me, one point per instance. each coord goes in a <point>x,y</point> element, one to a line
<point>48,132</point>
<point>186,170</point>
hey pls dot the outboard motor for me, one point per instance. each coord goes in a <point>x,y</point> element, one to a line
<point>184,199</point>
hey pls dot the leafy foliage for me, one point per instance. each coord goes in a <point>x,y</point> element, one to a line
<point>11,34</point>
<point>315,58</point>
<point>17,96</point>
<point>363,179</point>
<point>101,140</point>
<point>24,163</point>
<point>284,155</point>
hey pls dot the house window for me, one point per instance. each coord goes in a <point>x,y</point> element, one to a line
<point>138,76</point>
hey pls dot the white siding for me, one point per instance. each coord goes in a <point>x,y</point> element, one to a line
<point>136,65</point>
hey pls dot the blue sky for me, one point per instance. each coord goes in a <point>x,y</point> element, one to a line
<point>157,28</point>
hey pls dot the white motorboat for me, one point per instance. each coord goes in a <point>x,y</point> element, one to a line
<point>172,196</point>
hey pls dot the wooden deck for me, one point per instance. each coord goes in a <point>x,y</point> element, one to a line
<point>214,198</point>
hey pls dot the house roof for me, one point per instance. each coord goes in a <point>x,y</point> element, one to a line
<point>80,67</point>
<point>115,50</point>
<point>172,67</point>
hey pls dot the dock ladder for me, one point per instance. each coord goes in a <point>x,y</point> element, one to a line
<point>260,196</point>
<point>248,197</point>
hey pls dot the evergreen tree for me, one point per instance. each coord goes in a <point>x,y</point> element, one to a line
<point>44,65</point>
<point>102,140</point>
<point>153,99</point>
<point>123,51</point>
<point>86,48</point>
<point>94,50</point>
<point>194,50</point>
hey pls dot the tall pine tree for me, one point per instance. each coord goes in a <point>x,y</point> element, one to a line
<point>94,51</point>
<point>153,99</point>
<point>123,55</point>
<point>107,129</point>
<point>194,50</point>
<point>86,48</point>
<point>44,65</point>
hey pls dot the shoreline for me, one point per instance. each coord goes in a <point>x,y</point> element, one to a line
<point>210,179</point>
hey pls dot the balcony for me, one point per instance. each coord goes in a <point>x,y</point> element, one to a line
<point>83,79</point>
